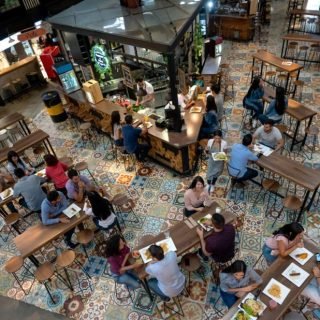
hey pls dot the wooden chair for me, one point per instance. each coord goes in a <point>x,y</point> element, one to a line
<point>312,141</point>
<point>83,166</point>
<point>84,237</point>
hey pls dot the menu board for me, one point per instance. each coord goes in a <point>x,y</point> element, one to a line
<point>128,79</point>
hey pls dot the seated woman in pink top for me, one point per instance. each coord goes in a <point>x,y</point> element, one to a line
<point>55,171</point>
<point>195,196</point>
<point>283,242</point>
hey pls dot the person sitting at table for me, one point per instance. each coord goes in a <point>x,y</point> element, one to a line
<point>283,242</point>
<point>269,135</point>
<point>218,98</point>
<point>51,213</point>
<point>117,254</point>
<point>239,157</point>
<point>236,281</point>
<point>56,171</point>
<point>276,108</point>
<point>195,196</point>
<point>168,281</point>
<point>29,187</point>
<point>210,119</point>
<point>76,185</point>
<point>116,128</point>
<point>101,210</point>
<point>215,167</point>
<point>130,139</point>
<point>312,290</point>
<point>14,162</point>
<point>253,99</point>
<point>220,244</point>
<point>6,180</point>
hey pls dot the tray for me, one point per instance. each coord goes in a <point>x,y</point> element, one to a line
<point>298,280</point>
<point>72,210</point>
<point>215,156</point>
<point>195,109</point>
<point>260,148</point>
<point>284,291</point>
<point>6,193</point>
<point>251,296</point>
<point>207,217</point>
<point>297,251</point>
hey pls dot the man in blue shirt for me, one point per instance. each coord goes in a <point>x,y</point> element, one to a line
<point>240,155</point>
<point>51,213</point>
<point>29,187</point>
<point>130,139</point>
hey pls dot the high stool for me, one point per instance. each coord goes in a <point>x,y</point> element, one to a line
<point>271,76</point>
<point>311,25</point>
<point>87,134</point>
<point>65,260</point>
<point>4,138</point>
<point>17,84</point>
<point>314,54</point>
<point>67,160</point>
<point>224,120</point>
<point>227,92</point>
<point>15,264</point>
<point>312,140</point>
<point>14,131</point>
<point>246,118</point>
<point>291,51</point>
<point>254,71</point>
<point>7,93</point>
<point>84,237</point>
<point>45,273</point>
<point>191,263</point>
<point>82,166</point>
<point>39,151</point>
<point>299,84</point>
<point>303,52</point>
<point>291,203</point>
<point>11,220</point>
<point>29,122</point>
<point>302,22</point>
<point>281,80</point>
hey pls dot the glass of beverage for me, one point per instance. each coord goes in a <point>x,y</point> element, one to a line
<point>167,234</point>
<point>272,304</point>
<point>218,210</point>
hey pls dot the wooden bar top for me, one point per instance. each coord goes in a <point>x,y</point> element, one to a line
<point>272,59</point>
<point>275,271</point>
<point>24,143</point>
<point>230,16</point>
<point>10,119</point>
<point>302,37</point>
<point>292,170</point>
<point>17,65</point>
<point>305,12</point>
<point>37,236</point>
<point>188,135</point>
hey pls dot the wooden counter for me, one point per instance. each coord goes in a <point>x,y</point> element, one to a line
<point>176,150</point>
<point>17,65</point>
<point>235,27</point>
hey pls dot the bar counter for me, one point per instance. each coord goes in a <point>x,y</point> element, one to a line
<point>176,150</point>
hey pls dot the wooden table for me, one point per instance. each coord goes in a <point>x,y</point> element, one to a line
<point>295,172</point>
<point>267,57</point>
<point>295,13</point>
<point>298,38</point>
<point>275,272</point>
<point>13,118</point>
<point>27,142</point>
<point>183,237</point>
<point>296,110</point>
<point>37,236</point>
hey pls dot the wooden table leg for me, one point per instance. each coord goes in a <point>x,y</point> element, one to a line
<point>304,204</point>
<point>306,134</point>
<point>50,146</point>
<point>295,135</point>
<point>25,127</point>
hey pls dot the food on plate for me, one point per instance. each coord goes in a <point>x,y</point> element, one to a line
<point>275,290</point>
<point>294,274</point>
<point>147,254</point>
<point>241,315</point>
<point>164,247</point>
<point>6,193</point>
<point>40,174</point>
<point>220,156</point>
<point>135,254</point>
<point>302,256</point>
<point>252,307</point>
<point>204,220</point>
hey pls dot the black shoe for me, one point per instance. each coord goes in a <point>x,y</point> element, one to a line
<point>70,244</point>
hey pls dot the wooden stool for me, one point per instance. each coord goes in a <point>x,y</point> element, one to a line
<point>312,140</point>
<point>87,133</point>
<point>299,84</point>
<point>303,52</point>
<point>191,263</point>
<point>12,266</point>
<point>30,124</point>
<point>254,71</point>
<point>67,160</point>
<point>82,166</point>
<point>123,203</point>
<point>84,237</point>
<point>271,76</point>
<point>4,138</point>
<point>39,151</point>
<point>14,131</point>
<point>10,221</point>
<point>281,80</point>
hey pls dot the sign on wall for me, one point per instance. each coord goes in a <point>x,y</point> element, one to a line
<point>100,58</point>
<point>35,33</point>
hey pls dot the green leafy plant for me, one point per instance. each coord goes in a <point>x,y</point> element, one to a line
<point>101,61</point>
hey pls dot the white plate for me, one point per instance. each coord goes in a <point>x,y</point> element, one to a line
<point>207,228</point>
<point>6,193</point>
<point>41,173</point>
<point>294,253</point>
<point>260,148</point>
<point>72,210</point>
<point>170,247</point>
<point>297,280</point>
<point>284,291</point>
<point>241,311</point>
<point>251,296</point>
<point>214,154</point>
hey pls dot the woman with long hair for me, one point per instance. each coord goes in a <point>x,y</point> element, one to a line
<point>253,99</point>
<point>56,171</point>
<point>276,107</point>
<point>117,254</point>
<point>102,211</point>
<point>116,128</point>
<point>14,162</point>
<point>236,280</point>
<point>283,242</point>
<point>210,119</point>
<point>195,196</point>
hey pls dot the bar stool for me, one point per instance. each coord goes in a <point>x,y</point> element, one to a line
<point>292,50</point>
<point>17,84</point>
<point>191,263</point>
<point>270,76</point>
<point>299,84</point>
<point>283,129</point>
<point>14,131</point>
<point>67,160</point>
<point>281,80</point>
<point>45,273</point>
<point>227,93</point>
<point>31,125</point>
<point>13,265</point>
<point>64,260</point>
<point>4,138</point>
<point>129,161</point>
<point>84,237</point>
<point>11,220</point>
<point>7,93</point>
<point>311,25</point>
<point>39,151</point>
<point>312,141</point>
<point>87,134</point>
<point>254,71</point>
<point>83,166</point>
<point>303,52</point>
<point>302,22</point>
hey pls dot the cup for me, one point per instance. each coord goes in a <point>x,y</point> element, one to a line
<point>272,304</point>
<point>167,234</point>
<point>218,210</point>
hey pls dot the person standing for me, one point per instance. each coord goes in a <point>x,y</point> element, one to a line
<point>210,119</point>
<point>218,98</point>
<point>145,93</point>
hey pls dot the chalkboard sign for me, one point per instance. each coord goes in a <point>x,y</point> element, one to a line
<point>128,80</point>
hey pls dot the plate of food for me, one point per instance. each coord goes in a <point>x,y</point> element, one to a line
<point>6,193</point>
<point>72,210</point>
<point>252,306</point>
<point>276,291</point>
<point>204,221</point>
<point>219,156</point>
<point>301,255</point>
<point>195,109</point>
<point>241,315</point>
<point>166,245</point>
<point>41,173</point>
<point>295,274</point>
<point>135,254</point>
<point>146,125</point>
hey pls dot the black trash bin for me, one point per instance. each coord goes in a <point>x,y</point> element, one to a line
<point>54,106</point>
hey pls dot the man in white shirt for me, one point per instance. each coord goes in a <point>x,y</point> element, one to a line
<point>269,135</point>
<point>145,93</point>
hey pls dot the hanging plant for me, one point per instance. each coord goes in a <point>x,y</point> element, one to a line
<point>197,45</point>
<point>101,61</point>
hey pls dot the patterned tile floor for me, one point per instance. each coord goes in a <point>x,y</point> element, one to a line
<point>159,204</point>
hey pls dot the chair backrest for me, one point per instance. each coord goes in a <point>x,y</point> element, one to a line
<point>233,168</point>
